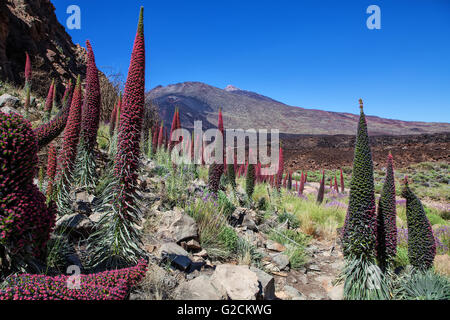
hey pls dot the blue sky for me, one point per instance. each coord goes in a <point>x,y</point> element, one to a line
<point>312,54</point>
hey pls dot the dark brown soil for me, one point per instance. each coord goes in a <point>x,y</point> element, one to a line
<point>333,152</point>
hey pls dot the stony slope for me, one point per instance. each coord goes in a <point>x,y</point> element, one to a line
<point>244,109</point>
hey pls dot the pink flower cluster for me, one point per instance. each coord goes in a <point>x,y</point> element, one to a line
<point>107,285</point>
<point>47,132</point>
<point>25,219</point>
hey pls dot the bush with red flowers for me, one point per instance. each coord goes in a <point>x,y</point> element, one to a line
<point>107,285</point>
<point>25,219</point>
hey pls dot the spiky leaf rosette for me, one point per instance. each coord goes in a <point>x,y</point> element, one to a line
<point>49,131</point>
<point>118,238</point>
<point>51,169</point>
<point>421,241</point>
<point>359,232</point>
<point>49,102</point>
<point>321,193</point>
<point>69,152</point>
<point>386,220</point>
<point>25,219</point>
<point>86,175</point>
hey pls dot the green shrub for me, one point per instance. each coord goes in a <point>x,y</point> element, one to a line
<point>293,221</point>
<point>295,243</point>
<point>262,204</point>
<point>229,238</point>
<point>401,259</point>
<point>435,218</point>
<point>225,205</point>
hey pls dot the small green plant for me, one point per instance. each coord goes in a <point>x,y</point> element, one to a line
<point>295,243</point>
<point>422,286</point>
<point>229,238</point>
<point>401,259</point>
<point>225,204</point>
<point>293,221</point>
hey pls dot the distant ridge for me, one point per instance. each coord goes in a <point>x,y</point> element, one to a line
<point>245,109</point>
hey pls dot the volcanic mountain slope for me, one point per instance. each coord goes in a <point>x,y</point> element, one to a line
<point>31,26</point>
<point>244,109</point>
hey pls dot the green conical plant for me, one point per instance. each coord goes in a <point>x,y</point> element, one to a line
<point>250,181</point>
<point>386,220</point>
<point>421,241</point>
<point>364,280</point>
<point>359,234</point>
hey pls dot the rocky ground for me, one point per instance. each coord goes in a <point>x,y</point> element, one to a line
<point>180,268</point>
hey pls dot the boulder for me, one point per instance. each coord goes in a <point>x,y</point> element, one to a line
<point>336,292</point>
<point>83,207</point>
<point>266,284</point>
<point>199,288</point>
<point>249,223</point>
<point>177,226</point>
<point>239,282</point>
<point>175,254</point>
<point>9,101</point>
<point>281,260</point>
<point>293,293</point>
<point>76,223</point>
<point>95,217</point>
<point>9,110</point>
<point>275,246</point>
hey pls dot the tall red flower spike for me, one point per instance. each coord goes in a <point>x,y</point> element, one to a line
<point>27,68</point>
<point>27,81</point>
<point>91,105</point>
<point>47,132</point>
<point>161,135</point>
<point>72,132</point>
<point>118,240</point>
<point>155,138</point>
<point>342,182</point>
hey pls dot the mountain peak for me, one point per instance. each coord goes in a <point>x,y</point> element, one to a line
<point>231,88</point>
